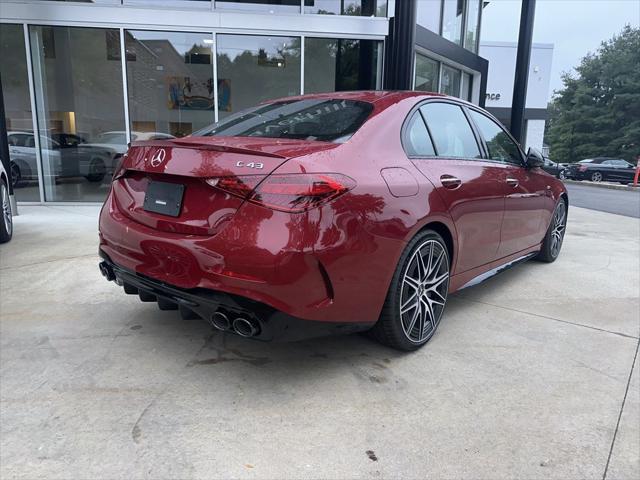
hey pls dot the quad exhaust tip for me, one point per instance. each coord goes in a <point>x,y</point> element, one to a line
<point>107,271</point>
<point>220,321</point>
<point>245,328</point>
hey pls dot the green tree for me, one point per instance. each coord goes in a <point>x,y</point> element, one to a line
<point>597,113</point>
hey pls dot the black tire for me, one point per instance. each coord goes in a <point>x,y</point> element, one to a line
<point>390,329</point>
<point>6,222</point>
<point>97,170</point>
<point>549,253</point>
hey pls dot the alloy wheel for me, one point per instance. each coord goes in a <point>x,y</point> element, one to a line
<point>596,177</point>
<point>423,294</point>
<point>562,175</point>
<point>558,228</point>
<point>6,209</point>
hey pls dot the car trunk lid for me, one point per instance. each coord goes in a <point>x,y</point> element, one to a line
<point>182,166</point>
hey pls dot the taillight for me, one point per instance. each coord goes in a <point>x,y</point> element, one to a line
<point>241,186</point>
<point>289,193</point>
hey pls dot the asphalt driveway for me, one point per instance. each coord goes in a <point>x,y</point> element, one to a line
<point>529,376</point>
<point>621,202</point>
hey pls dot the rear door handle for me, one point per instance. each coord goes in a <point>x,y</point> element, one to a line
<point>450,182</point>
<point>513,182</point>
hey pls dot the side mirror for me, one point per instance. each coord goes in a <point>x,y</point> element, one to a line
<point>534,158</point>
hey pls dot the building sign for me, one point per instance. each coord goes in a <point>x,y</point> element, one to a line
<point>493,96</point>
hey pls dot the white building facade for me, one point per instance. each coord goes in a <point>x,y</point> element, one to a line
<point>500,78</point>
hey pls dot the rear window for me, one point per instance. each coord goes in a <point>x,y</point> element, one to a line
<point>312,119</point>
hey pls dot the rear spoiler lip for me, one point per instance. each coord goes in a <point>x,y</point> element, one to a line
<point>206,146</point>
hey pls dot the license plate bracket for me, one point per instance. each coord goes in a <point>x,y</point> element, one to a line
<point>164,198</point>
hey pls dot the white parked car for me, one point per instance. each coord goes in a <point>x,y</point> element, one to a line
<point>65,155</point>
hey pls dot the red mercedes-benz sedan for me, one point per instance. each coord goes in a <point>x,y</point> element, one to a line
<point>337,212</point>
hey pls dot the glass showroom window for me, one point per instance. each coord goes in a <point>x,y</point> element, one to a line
<point>472,25</point>
<point>266,6</point>
<point>450,81</point>
<point>17,110</point>
<point>78,87</point>
<point>170,83</point>
<point>428,14</point>
<point>256,68</point>
<point>364,8</point>
<point>452,20</point>
<point>427,71</point>
<point>335,64</point>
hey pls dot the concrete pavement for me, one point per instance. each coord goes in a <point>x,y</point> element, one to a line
<point>525,378</point>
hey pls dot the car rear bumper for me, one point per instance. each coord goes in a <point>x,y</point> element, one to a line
<point>267,323</point>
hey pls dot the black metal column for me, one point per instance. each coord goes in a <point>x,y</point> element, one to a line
<point>523,58</point>
<point>400,46</point>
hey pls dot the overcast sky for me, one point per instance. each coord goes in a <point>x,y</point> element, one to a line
<point>575,27</point>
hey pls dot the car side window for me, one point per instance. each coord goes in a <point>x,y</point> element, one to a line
<point>500,145</point>
<point>452,134</point>
<point>609,162</point>
<point>417,140</point>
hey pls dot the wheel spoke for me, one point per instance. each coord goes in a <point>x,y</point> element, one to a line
<point>413,320</point>
<point>432,317</point>
<point>442,299</point>
<point>426,311</point>
<point>436,282</point>
<point>436,265</point>
<point>410,303</point>
<point>422,268</point>
<point>427,269</point>
<point>412,282</point>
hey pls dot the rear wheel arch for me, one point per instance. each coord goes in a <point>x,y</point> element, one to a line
<point>444,231</point>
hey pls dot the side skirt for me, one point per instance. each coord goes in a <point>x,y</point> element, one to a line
<point>495,271</point>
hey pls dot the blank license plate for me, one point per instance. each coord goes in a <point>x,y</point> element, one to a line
<point>164,198</point>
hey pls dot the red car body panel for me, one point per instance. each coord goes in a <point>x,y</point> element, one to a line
<point>333,263</point>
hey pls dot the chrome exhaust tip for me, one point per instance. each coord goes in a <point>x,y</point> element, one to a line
<point>245,328</point>
<point>220,321</point>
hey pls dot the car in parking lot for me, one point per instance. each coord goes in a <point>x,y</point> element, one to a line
<point>558,170</point>
<point>326,213</point>
<point>602,169</point>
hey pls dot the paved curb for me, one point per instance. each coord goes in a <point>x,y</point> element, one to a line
<point>610,186</point>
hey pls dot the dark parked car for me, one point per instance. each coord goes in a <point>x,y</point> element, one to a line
<point>602,168</point>
<point>326,213</point>
<point>555,169</point>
